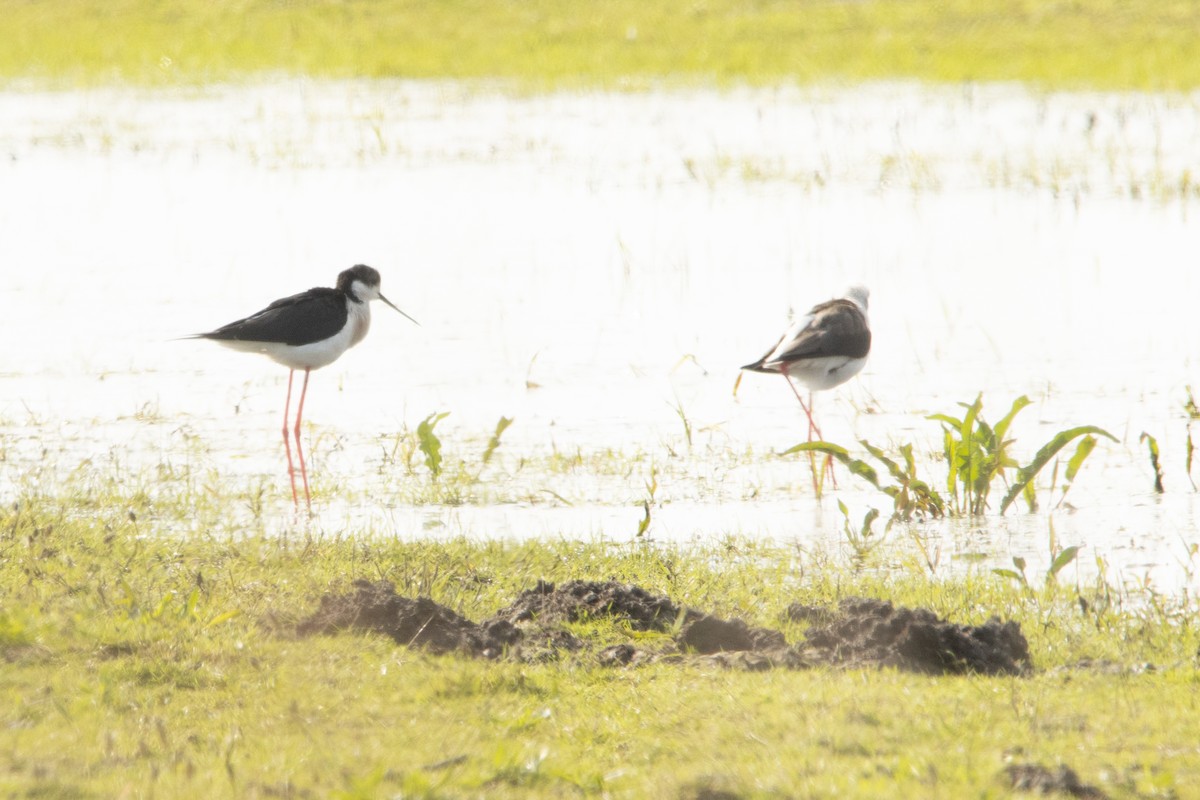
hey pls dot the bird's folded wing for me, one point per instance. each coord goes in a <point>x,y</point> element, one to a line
<point>300,319</point>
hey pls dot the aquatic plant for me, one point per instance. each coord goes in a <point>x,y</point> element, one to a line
<point>1155,464</point>
<point>493,443</point>
<point>451,480</point>
<point>429,442</point>
<point>1193,410</point>
<point>976,455</point>
<point>1060,557</point>
<point>861,538</point>
<point>648,504</point>
<point>910,495</point>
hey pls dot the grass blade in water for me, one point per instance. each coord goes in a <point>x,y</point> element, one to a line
<point>1048,451</point>
<point>494,442</point>
<point>859,468</point>
<point>1154,462</point>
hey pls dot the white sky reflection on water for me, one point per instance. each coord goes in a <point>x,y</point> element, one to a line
<point>1015,243</point>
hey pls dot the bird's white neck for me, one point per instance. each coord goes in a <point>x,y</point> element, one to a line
<point>359,321</point>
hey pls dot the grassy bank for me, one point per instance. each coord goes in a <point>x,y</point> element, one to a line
<point>1096,43</point>
<point>136,663</point>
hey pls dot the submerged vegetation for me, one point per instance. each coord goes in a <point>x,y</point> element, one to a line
<point>1100,44</point>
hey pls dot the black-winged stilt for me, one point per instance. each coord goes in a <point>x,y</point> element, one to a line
<point>307,331</point>
<point>822,349</point>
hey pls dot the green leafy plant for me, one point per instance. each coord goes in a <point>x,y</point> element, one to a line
<point>494,442</point>
<point>1026,474</point>
<point>911,496</point>
<point>1082,451</point>
<point>976,455</point>
<point>1060,557</point>
<point>1191,451</point>
<point>648,504</point>
<point>429,442</point>
<point>861,538</point>
<point>1152,444</point>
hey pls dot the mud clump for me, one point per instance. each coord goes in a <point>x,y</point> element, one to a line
<point>859,632</point>
<point>546,604</point>
<point>415,623</point>
<point>1043,780</point>
<point>874,632</point>
<point>579,600</point>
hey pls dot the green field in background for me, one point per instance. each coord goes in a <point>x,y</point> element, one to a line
<point>1108,44</point>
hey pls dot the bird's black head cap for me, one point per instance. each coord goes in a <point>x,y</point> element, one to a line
<point>359,272</point>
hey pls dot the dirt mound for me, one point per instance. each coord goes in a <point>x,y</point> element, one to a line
<point>546,605</point>
<point>859,632</point>
<point>1043,780</point>
<point>869,632</point>
<point>416,623</point>
<point>578,600</point>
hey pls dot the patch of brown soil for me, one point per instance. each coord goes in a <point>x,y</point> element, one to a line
<point>858,633</point>
<point>578,600</point>
<point>1043,780</point>
<point>874,632</point>
<point>416,623</point>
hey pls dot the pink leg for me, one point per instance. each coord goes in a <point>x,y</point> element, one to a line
<point>812,405</point>
<point>812,428</point>
<point>828,458</point>
<point>287,448</point>
<point>812,425</point>
<point>299,449</point>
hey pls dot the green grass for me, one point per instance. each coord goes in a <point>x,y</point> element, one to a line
<point>1114,44</point>
<point>137,663</point>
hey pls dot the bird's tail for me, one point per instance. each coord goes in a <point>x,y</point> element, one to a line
<point>758,366</point>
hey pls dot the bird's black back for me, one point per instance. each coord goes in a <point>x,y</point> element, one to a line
<point>830,334</point>
<point>297,320</point>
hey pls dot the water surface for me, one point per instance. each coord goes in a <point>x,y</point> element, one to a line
<point>625,253</point>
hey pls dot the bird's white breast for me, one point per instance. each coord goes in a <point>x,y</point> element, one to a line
<point>819,374</point>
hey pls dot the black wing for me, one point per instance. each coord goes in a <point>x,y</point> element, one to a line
<point>300,319</point>
<point>837,328</point>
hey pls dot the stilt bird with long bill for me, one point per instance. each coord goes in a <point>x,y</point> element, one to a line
<point>307,331</point>
<point>822,349</point>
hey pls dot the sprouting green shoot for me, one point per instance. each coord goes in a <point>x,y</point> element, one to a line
<point>1193,410</point>
<point>430,444</point>
<point>1191,450</point>
<point>1152,443</point>
<point>683,418</point>
<point>494,442</point>
<point>862,539</point>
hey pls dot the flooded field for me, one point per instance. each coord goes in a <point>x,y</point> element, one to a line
<point>596,267</point>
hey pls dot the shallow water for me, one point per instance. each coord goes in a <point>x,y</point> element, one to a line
<point>625,253</point>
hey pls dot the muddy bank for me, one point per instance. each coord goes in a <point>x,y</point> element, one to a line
<point>858,632</point>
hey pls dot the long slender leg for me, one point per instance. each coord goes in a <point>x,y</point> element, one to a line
<point>299,449</point>
<point>287,448</point>
<point>812,463</point>
<point>812,425</point>
<point>812,428</point>
<point>812,406</point>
